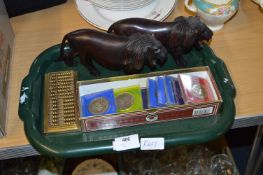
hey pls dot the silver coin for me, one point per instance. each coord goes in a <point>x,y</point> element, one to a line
<point>124,100</point>
<point>98,105</point>
<point>198,91</point>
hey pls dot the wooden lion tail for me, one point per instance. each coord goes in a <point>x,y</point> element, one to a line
<point>62,46</point>
<point>111,28</point>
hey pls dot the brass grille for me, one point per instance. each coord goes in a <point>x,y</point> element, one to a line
<point>60,102</point>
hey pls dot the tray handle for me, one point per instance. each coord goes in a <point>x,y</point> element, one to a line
<point>24,98</point>
<point>227,83</point>
<point>218,67</point>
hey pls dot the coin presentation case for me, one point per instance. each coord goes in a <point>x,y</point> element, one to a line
<point>97,103</point>
<point>79,144</point>
<point>198,87</point>
<point>129,99</point>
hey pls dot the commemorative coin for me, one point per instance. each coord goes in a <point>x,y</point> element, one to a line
<point>198,91</point>
<point>98,105</point>
<point>124,101</point>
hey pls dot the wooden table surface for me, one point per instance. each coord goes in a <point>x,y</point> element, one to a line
<point>239,44</point>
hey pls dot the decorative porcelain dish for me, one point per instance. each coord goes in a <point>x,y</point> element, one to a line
<point>94,167</point>
<point>103,18</point>
<point>120,4</point>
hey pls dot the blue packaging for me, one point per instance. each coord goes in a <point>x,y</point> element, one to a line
<point>169,90</point>
<point>144,98</point>
<point>177,92</point>
<point>152,92</point>
<point>98,103</point>
<point>161,97</point>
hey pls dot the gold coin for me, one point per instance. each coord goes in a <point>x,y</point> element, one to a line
<point>98,105</point>
<point>124,100</point>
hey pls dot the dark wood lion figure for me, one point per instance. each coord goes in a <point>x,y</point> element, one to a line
<point>112,51</point>
<point>179,36</point>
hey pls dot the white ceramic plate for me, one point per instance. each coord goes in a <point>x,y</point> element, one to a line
<point>103,18</point>
<point>120,4</point>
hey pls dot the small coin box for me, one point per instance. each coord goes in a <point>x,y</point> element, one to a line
<point>158,97</point>
<point>129,99</point>
<point>99,103</point>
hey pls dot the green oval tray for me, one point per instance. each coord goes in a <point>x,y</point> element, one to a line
<point>77,144</point>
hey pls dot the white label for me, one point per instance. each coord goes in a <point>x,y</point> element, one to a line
<point>126,142</point>
<point>203,111</point>
<point>152,143</point>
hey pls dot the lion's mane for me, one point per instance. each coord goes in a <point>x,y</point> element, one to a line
<point>136,48</point>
